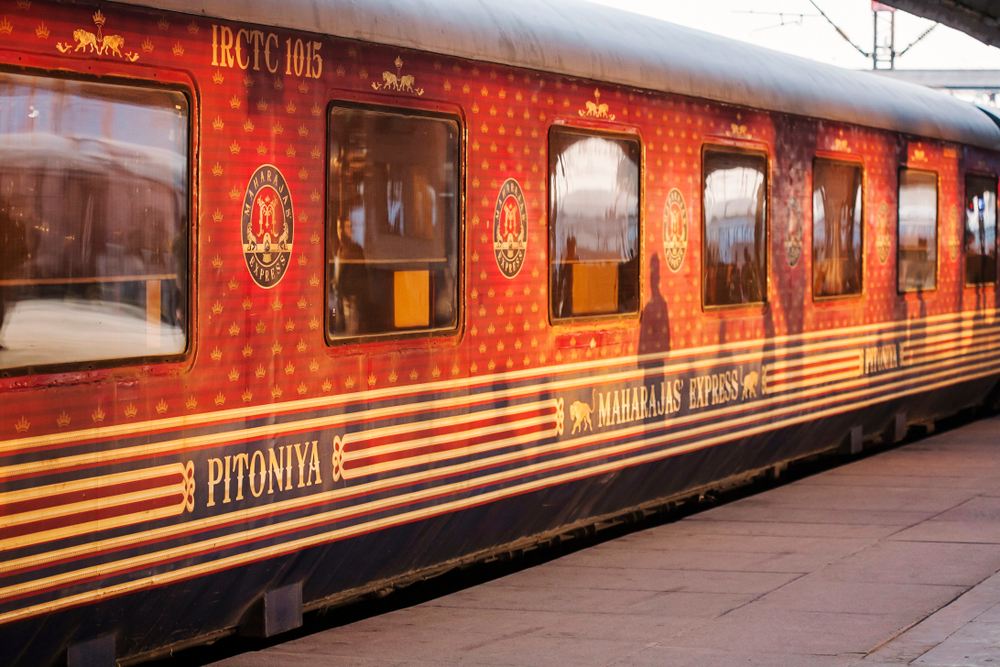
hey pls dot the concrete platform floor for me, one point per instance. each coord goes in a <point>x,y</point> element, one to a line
<point>890,560</point>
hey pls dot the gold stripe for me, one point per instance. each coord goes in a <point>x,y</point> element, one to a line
<point>342,533</point>
<point>37,492</point>
<point>867,333</point>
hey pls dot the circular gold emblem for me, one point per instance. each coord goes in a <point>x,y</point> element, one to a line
<point>675,230</point>
<point>882,239</point>
<point>267,226</point>
<point>510,229</point>
<point>793,233</point>
<point>956,233</point>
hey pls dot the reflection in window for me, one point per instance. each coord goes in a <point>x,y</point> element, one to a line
<point>917,230</point>
<point>594,224</point>
<point>735,228</point>
<point>392,227</point>
<point>837,226</point>
<point>980,229</point>
<point>93,221</point>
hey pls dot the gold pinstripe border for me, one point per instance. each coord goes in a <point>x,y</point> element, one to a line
<point>861,334</point>
<point>414,515</point>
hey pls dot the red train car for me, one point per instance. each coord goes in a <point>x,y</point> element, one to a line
<point>301,300</point>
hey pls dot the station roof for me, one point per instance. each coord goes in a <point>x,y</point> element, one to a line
<point>978,18</point>
<point>595,42</point>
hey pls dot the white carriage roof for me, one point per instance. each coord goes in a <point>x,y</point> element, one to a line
<point>581,39</point>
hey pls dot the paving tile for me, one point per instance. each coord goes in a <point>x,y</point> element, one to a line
<point>814,593</point>
<point>917,563</point>
<point>858,498</point>
<point>721,543</point>
<point>691,525</point>
<point>691,581</point>
<point>982,532</point>
<point>795,515</point>
<point>886,480</point>
<point>974,645</point>
<point>659,656</point>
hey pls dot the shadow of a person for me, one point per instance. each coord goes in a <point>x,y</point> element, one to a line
<point>654,335</point>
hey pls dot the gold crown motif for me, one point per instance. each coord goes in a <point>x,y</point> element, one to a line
<point>161,407</point>
<point>276,304</point>
<point>315,152</point>
<point>261,105</point>
<point>349,383</point>
<point>393,377</point>
<point>131,411</point>
<point>6,27</point>
<point>193,28</point>
<point>217,306</point>
<point>314,239</point>
<point>163,23</point>
<point>313,366</point>
<point>303,88</point>
<point>248,126</point>
<point>233,284</point>
<point>290,107</point>
<point>290,151</point>
<point>302,388</point>
<point>234,148</point>
<point>473,368</point>
<point>304,217</point>
<point>327,385</point>
<point>413,374</point>
<point>303,131</point>
<point>372,380</point>
<point>247,304</point>
<point>62,419</point>
<point>42,31</point>
<point>191,403</point>
<point>261,327</point>
<point>313,323</point>
<point>24,4</point>
<point>97,415</point>
<point>275,393</point>
<point>22,424</point>
<point>248,81</point>
<point>235,102</point>
<point>217,169</point>
<point>278,85</point>
<point>259,372</point>
<point>261,149</point>
<point>217,77</point>
<point>302,303</point>
<point>247,396</point>
<point>278,129</point>
<point>217,216</point>
<point>217,262</point>
<point>247,351</point>
<point>147,45</point>
<point>276,348</point>
<point>314,195</point>
<point>234,375</point>
<point>234,193</point>
<point>234,329</point>
<point>316,110</point>
<point>220,399</point>
<point>178,50</point>
<point>217,353</point>
<point>289,326</point>
<point>303,174</point>
<point>289,368</point>
<point>218,124</point>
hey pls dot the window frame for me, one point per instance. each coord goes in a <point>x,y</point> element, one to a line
<point>937,229</point>
<point>996,217</point>
<point>626,133</point>
<point>851,161</point>
<point>723,147</point>
<point>136,77</point>
<point>404,107</point>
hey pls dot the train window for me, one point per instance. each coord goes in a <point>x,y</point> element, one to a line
<point>980,229</point>
<point>392,224</point>
<point>735,218</point>
<point>837,228</point>
<point>593,224</point>
<point>93,221</point>
<point>917,259</point>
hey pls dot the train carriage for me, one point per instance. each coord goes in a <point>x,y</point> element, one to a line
<point>301,301</point>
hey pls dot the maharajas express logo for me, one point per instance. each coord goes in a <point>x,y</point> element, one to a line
<point>510,229</point>
<point>267,226</point>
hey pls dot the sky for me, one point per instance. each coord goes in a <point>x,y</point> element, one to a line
<point>806,33</point>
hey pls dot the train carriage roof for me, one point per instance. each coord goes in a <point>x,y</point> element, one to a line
<point>581,39</point>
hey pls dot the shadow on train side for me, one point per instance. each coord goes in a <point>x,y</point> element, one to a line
<point>479,569</point>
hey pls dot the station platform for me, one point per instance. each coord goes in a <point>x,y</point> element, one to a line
<point>890,560</point>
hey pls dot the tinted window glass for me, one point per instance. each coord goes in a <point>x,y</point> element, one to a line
<point>980,229</point>
<point>392,231</point>
<point>837,226</point>
<point>917,230</point>
<point>594,224</point>
<point>93,221</point>
<point>735,204</point>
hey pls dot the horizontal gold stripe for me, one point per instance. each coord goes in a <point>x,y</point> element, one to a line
<point>863,335</point>
<point>342,533</point>
<point>88,484</point>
